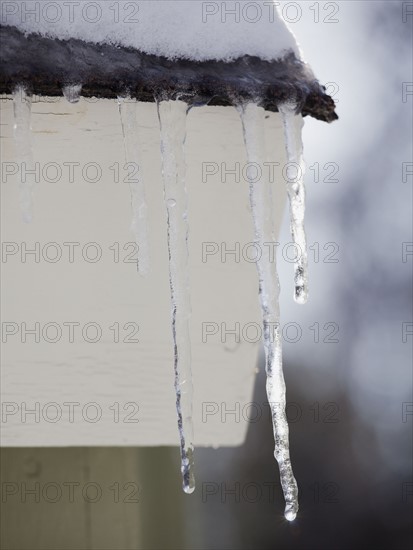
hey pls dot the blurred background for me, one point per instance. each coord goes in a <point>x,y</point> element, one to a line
<point>350,431</point>
<point>347,353</point>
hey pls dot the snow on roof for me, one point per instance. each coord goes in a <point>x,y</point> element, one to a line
<point>190,29</point>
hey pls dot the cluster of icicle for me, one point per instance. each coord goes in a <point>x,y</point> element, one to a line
<point>172,120</point>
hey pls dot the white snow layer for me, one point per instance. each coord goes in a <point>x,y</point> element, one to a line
<point>191,29</point>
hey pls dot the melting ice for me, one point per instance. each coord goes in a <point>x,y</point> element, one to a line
<point>72,92</point>
<point>133,146</point>
<point>269,289</point>
<point>22,107</point>
<point>172,120</point>
<point>296,196</point>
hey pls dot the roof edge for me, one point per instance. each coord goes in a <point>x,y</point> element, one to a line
<point>44,65</point>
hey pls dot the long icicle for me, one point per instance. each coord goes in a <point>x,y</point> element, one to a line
<point>252,117</point>
<point>172,119</point>
<point>133,146</point>
<point>22,107</point>
<point>296,195</point>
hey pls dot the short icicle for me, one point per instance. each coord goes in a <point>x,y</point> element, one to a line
<point>22,106</point>
<point>172,119</point>
<point>296,195</point>
<point>133,146</point>
<point>269,289</point>
<point>72,92</point>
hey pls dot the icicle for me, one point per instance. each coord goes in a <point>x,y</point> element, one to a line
<point>72,92</point>
<point>296,195</point>
<point>133,146</point>
<point>172,119</point>
<point>22,106</point>
<point>252,118</point>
